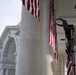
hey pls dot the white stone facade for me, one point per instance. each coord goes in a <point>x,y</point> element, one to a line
<point>9,43</point>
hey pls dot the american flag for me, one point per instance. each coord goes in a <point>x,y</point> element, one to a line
<point>33,7</point>
<point>70,70</point>
<point>52,31</point>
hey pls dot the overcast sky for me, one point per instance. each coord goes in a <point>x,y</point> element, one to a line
<point>10,13</point>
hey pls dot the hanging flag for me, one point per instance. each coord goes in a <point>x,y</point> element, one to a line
<point>52,31</point>
<point>33,7</point>
<point>70,70</point>
<point>23,2</point>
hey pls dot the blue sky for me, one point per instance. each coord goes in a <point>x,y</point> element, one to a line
<point>10,13</point>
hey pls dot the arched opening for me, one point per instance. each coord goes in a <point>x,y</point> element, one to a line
<point>9,56</point>
<point>9,51</point>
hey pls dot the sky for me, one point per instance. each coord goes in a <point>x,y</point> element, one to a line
<point>10,13</point>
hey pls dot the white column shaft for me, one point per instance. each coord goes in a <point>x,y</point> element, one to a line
<point>6,71</point>
<point>30,54</point>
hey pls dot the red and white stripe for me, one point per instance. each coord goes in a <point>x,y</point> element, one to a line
<point>33,7</point>
<point>69,66</point>
<point>52,33</point>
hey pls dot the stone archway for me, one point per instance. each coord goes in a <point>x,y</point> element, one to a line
<point>9,50</point>
<point>9,57</point>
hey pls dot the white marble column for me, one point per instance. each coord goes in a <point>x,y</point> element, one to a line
<point>35,56</point>
<point>51,67</point>
<point>48,52</point>
<point>30,54</point>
